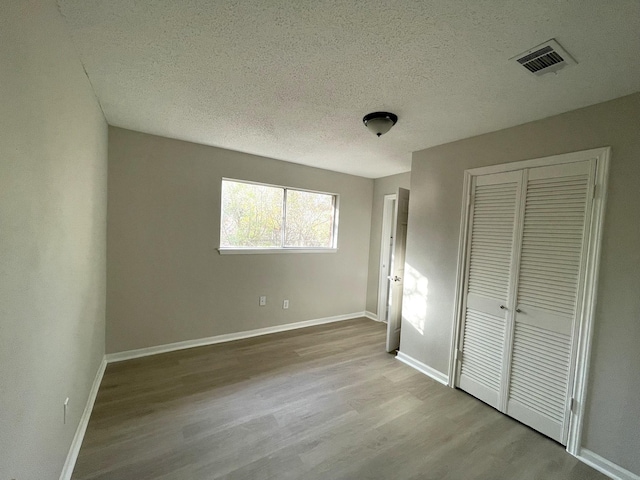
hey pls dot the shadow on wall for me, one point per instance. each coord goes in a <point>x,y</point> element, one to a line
<point>414,302</point>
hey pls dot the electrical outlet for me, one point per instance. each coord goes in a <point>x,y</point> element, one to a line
<point>64,417</point>
<point>263,300</point>
<point>285,304</point>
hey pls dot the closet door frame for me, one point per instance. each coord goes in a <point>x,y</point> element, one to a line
<point>587,294</point>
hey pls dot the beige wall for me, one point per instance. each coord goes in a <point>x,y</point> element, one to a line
<point>381,187</point>
<point>613,410</point>
<point>53,167</point>
<point>166,280</point>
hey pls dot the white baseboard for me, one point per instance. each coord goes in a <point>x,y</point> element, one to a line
<point>371,315</point>
<point>72,456</point>
<point>605,466</point>
<point>228,337</point>
<point>421,367</point>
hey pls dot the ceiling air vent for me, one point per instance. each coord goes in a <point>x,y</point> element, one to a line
<point>548,57</point>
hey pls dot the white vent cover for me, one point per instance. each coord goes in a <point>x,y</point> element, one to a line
<point>548,57</point>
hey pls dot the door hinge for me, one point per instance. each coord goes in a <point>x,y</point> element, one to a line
<point>573,405</point>
<point>459,354</point>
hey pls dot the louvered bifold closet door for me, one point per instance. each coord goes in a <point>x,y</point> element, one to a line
<point>490,246</point>
<point>557,206</point>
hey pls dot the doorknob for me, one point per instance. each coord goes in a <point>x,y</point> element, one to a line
<point>518,310</point>
<point>502,307</point>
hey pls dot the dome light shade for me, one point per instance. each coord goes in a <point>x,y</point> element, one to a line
<point>379,122</point>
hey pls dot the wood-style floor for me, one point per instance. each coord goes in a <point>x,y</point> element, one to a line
<point>324,402</point>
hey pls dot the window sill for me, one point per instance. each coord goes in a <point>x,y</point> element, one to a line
<point>252,251</point>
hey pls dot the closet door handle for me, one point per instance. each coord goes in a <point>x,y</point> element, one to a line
<point>518,310</point>
<point>502,307</point>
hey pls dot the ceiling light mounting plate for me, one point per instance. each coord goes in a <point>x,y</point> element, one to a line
<point>379,122</point>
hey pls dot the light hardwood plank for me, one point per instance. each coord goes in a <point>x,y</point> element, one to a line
<point>323,402</point>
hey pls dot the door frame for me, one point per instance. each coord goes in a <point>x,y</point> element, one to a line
<point>388,213</point>
<point>585,316</point>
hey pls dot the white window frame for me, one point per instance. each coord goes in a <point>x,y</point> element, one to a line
<point>282,249</point>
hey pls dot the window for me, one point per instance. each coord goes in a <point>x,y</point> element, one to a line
<point>257,217</point>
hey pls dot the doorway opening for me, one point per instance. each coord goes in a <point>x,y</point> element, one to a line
<point>395,216</point>
<point>386,256</point>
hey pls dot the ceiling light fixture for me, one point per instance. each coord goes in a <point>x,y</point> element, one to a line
<point>379,122</point>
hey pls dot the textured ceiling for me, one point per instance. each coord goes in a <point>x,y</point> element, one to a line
<point>292,79</point>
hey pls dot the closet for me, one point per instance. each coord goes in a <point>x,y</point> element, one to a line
<point>528,235</point>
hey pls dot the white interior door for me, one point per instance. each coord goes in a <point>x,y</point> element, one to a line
<point>525,266</point>
<point>397,270</point>
<point>494,207</point>
<point>551,270</point>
